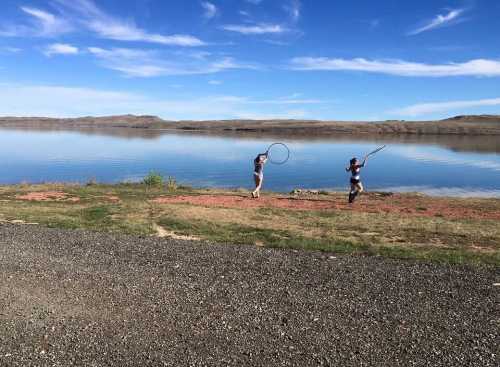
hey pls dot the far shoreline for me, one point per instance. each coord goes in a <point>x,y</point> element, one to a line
<point>469,125</point>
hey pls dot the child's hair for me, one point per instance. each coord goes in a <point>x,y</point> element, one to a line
<point>353,160</point>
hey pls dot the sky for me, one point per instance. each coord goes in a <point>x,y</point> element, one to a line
<point>258,59</point>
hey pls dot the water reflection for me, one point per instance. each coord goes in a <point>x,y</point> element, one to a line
<point>437,165</point>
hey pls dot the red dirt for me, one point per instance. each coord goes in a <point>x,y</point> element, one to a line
<point>47,196</point>
<point>370,203</point>
<point>112,198</point>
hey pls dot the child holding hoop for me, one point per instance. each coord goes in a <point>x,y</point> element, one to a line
<point>258,173</point>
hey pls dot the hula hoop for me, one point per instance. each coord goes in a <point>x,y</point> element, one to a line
<point>270,156</point>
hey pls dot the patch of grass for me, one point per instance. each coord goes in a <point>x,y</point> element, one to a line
<point>447,256</point>
<point>171,184</point>
<point>96,213</point>
<point>128,208</point>
<point>284,239</point>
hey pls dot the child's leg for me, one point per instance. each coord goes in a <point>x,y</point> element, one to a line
<point>359,187</point>
<point>352,193</point>
<point>258,185</point>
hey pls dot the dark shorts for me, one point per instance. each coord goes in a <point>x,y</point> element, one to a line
<point>355,181</point>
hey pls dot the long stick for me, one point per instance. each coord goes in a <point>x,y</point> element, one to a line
<point>376,150</point>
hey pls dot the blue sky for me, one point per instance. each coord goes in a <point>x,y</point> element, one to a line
<point>220,59</point>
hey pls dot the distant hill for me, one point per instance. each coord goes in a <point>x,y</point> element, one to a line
<point>475,118</point>
<point>458,125</point>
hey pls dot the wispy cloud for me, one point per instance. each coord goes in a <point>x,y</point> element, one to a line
<point>210,10</point>
<point>255,2</point>
<point>151,63</point>
<point>10,50</point>
<point>293,9</point>
<point>106,26</point>
<point>373,23</point>
<point>476,67</point>
<point>440,20</point>
<point>255,29</point>
<point>435,107</point>
<point>42,24</point>
<point>60,49</point>
<point>49,24</point>
<point>214,82</point>
<point>60,101</point>
<point>287,101</point>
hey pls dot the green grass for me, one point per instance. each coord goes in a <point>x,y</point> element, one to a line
<point>127,208</point>
<point>238,234</point>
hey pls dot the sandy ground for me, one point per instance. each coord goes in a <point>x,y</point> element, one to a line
<point>46,196</point>
<point>80,298</point>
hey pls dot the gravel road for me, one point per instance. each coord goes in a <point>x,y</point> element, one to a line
<point>95,299</point>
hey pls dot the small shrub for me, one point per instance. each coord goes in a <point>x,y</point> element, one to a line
<point>172,184</point>
<point>91,182</point>
<point>153,179</point>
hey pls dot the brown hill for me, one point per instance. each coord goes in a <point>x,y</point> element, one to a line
<point>458,125</point>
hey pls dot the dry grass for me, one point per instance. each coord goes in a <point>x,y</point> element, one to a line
<point>130,208</point>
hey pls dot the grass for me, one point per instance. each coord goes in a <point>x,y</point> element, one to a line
<point>128,208</point>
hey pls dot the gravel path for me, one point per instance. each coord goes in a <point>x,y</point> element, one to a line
<point>94,299</point>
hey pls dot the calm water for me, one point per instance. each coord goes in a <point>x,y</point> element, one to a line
<point>434,165</point>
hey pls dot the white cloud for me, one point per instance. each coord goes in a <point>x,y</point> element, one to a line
<point>434,107</point>
<point>439,20</point>
<point>214,82</point>
<point>476,67</point>
<point>293,9</point>
<point>210,9</point>
<point>58,101</point>
<point>255,29</point>
<point>44,24</point>
<point>109,27</point>
<point>60,49</point>
<point>150,63</point>
<point>255,2</point>
<point>49,24</point>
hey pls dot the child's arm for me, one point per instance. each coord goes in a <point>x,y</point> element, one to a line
<point>364,161</point>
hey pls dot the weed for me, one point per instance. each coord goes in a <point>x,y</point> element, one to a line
<point>153,179</point>
<point>171,184</point>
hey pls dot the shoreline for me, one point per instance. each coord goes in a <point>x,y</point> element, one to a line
<point>479,125</point>
<point>403,226</point>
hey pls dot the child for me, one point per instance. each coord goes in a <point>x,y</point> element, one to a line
<point>258,173</point>
<point>356,185</point>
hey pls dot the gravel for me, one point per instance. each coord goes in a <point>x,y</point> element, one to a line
<point>96,299</point>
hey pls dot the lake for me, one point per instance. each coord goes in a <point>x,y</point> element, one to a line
<point>436,165</point>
